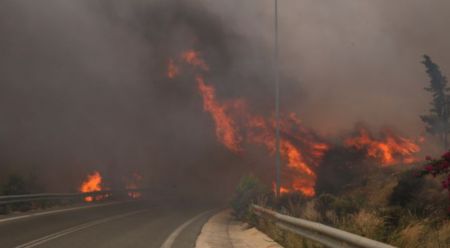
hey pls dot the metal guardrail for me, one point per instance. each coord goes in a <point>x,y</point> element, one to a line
<point>10,199</point>
<point>320,233</point>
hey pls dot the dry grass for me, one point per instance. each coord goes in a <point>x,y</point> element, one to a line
<point>378,195</point>
<point>287,239</point>
<point>411,236</point>
<point>366,223</point>
<point>295,210</point>
<point>444,235</point>
<point>419,234</point>
<point>438,237</point>
<point>310,212</point>
<point>368,210</point>
<point>332,217</point>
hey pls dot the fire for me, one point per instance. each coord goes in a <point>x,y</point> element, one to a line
<point>134,183</point>
<point>91,184</point>
<point>297,186</point>
<point>226,130</point>
<point>283,190</point>
<point>295,158</point>
<point>299,146</point>
<point>391,149</point>
<point>193,58</point>
<point>172,69</point>
<point>299,161</point>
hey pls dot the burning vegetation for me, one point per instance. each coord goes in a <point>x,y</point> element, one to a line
<point>226,129</point>
<point>389,149</point>
<point>172,69</point>
<point>302,149</point>
<point>92,183</point>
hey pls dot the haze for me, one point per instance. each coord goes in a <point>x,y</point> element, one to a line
<point>83,85</point>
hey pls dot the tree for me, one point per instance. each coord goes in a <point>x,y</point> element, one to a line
<point>15,185</point>
<point>437,122</point>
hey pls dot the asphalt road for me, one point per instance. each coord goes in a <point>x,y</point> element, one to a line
<point>131,224</point>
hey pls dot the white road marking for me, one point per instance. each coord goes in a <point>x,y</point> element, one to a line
<point>70,230</point>
<point>56,211</point>
<point>173,236</point>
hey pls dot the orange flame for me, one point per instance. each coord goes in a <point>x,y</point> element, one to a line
<point>302,178</point>
<point>300,147</point>
<point>390,150</point>
<point>225,126</point>
<point>172,69</point>
<point>261,131</point>
<point>91,184</point>
<point>193,58</point>
<point>283,190</point>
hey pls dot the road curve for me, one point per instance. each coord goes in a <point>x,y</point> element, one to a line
<point>129,224</point>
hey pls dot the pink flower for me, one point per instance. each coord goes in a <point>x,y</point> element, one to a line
<point>427,158</point>
<point>429,168</point>
<point>445,164</point>
<point>446,156</point>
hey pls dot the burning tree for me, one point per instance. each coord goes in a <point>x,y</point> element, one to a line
<point>437,122</point>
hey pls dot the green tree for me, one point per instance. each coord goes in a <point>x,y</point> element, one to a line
<point>437,121</point>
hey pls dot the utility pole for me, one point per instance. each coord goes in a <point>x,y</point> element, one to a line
<point>277,104</point>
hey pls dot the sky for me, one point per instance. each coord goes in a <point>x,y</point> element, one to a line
<point>354,60</point>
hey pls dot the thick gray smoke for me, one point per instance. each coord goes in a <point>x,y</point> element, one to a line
<point>356,60</point>
<point>83,85</point>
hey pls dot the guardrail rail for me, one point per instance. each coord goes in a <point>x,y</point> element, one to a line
<point>11,199</point>
<point>320,233</point>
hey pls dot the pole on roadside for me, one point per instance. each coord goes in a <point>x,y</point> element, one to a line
<point>277,104</point>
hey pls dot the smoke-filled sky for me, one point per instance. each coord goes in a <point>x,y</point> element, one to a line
<point>83,86</point>
<point>354,60</point>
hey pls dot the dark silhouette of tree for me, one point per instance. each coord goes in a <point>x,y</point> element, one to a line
<point>15,185</point>
<point>437,121</point>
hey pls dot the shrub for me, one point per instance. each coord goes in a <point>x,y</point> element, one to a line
<point>249,190</point>
<point>291,203</point>
<point>407,188</point>
<point>340,168</point>
<point>345,206</point>
<point>15,185</point>
<point>439,167</point>
<point>324,206</point>
<point>324,202</point>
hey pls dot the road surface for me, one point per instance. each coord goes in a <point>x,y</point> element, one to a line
<point>130,224</point>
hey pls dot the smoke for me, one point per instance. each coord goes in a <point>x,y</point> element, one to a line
<point>83,84</point>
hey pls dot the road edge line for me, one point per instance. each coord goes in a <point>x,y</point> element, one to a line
<point>50,237</point>
<point>173,236</point>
